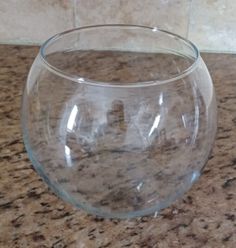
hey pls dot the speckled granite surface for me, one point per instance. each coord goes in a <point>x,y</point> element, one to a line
<point>32,216</point>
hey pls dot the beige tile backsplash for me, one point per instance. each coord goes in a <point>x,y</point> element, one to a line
<point>26,21</point>
<point>170,15</point>
<point>211,24</point>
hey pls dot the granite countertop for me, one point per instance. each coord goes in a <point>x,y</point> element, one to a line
<point>32,216</point>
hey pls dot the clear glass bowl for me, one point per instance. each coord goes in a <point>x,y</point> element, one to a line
<point>119,120</point>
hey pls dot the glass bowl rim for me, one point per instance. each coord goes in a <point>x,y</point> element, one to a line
<point>80,79</point>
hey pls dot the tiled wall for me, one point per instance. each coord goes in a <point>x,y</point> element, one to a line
<point>211,24</point>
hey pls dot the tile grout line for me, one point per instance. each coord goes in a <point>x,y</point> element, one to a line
<point>189,18</point>
<point>74,13</point>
